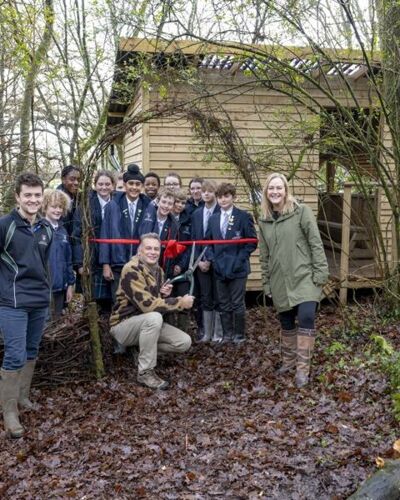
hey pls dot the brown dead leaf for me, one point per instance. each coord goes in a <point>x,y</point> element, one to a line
<point>396,448</point>
<point>380,462</point>
<point>249,424</point>
<point>332,429</point>
<point>344,396</point>
<point>21,456</point>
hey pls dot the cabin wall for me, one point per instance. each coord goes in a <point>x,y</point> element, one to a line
<point>269,124</point>
<point>133,140</point>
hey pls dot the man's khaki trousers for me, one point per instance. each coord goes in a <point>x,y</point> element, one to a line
<point>152,335</point>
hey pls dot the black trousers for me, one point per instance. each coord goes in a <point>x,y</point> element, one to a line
<point>207,290</point>
<point>115,282</point>
<point>57,304</point>
<point>305,313</point>
<point>231,295</point>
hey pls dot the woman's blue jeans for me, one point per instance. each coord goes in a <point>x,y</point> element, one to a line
<point>22,331</point>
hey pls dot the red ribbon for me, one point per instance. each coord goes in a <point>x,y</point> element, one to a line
<point>173,249</point>
<point>122,241</point>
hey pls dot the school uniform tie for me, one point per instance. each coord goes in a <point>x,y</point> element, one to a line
<point>160,227</point>
<point>207,218</point>
<point>225,224</point>
<point>132,215</point>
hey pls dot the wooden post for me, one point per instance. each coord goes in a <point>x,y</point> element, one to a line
<point>345,250</point>
<point>395,250</point>
<point>145,133</point>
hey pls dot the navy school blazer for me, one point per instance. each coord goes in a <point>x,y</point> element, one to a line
<point>197,229</point>
<point>76,236</point>
<point>117,224</point>
<point>184,234</point>
<point>231,261</point>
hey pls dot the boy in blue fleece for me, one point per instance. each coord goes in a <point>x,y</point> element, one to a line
<point>55,206</point>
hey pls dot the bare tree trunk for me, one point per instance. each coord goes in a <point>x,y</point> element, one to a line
<point>30,82</point>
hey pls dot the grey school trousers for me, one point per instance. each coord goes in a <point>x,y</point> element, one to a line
<point>149,332</point>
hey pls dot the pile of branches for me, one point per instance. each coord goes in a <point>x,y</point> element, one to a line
<point>65,354</point>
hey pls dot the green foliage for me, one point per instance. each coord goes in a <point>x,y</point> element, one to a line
<point>389,361</point>
<point>335,347</point>
<point>382,345</point>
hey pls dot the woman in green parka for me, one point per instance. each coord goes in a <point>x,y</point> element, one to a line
<point>294,270</point>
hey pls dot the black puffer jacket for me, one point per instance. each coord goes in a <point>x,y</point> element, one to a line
<point>24,252</point>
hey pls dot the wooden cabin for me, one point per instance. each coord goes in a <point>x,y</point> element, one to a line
<point>273,127</point>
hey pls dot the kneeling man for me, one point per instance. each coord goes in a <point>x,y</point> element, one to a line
<point>141,300</point>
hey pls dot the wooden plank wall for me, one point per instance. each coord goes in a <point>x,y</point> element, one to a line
<point>265,119</point>
<point>386,219</point>
<point>133,142</point>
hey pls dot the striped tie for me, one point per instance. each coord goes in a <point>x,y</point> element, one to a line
<point>225,224</point>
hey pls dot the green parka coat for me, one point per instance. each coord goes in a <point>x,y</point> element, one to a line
<point>293,263</point>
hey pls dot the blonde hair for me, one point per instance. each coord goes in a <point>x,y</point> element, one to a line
<point>167,192</point>
<point>57,198</point>
<point>289,202</point>
<point>180,195</point>
<point>209,185</point>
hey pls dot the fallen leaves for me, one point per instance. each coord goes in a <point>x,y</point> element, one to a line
<point>227,428</point>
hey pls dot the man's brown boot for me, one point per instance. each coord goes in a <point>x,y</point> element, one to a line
<point>25,385</point>
<point>10,382</point>
<point>305,347</point>
<point>288,351</point>
<point>150,379</point>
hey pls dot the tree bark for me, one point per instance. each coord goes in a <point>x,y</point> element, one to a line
<point>30,82</point>
<point>93,318</point>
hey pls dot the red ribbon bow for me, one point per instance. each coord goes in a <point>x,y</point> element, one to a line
<point>173,249</point>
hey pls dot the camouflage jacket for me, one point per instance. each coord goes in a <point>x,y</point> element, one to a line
<point>139,292</point>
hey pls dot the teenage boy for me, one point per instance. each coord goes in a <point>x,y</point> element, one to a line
<point>25,240</point>
<point>159,219</point>
<point>137,318</point>
<point>151,185</point>
<point>70,179</point>
<point>231,262</point>
<point>181,262</point>
<point>122,218</point>
<point>207,293</point>
<point>195,201</point>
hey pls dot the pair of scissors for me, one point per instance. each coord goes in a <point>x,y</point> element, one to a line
<point>189,274</point>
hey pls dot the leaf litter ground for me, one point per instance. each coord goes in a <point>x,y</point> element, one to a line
<point>227,427</point>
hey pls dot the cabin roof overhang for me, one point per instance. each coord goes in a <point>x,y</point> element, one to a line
<point>232,57</point>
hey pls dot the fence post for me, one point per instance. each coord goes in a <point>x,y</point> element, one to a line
<point>345,249</point>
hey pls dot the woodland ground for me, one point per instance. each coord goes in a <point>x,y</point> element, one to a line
<point>227,428</point>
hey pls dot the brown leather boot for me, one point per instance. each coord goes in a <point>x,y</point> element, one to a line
<point>288,351</point>
<point>10,382</point>
<point>25,384</point>
<point>305,347</point>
